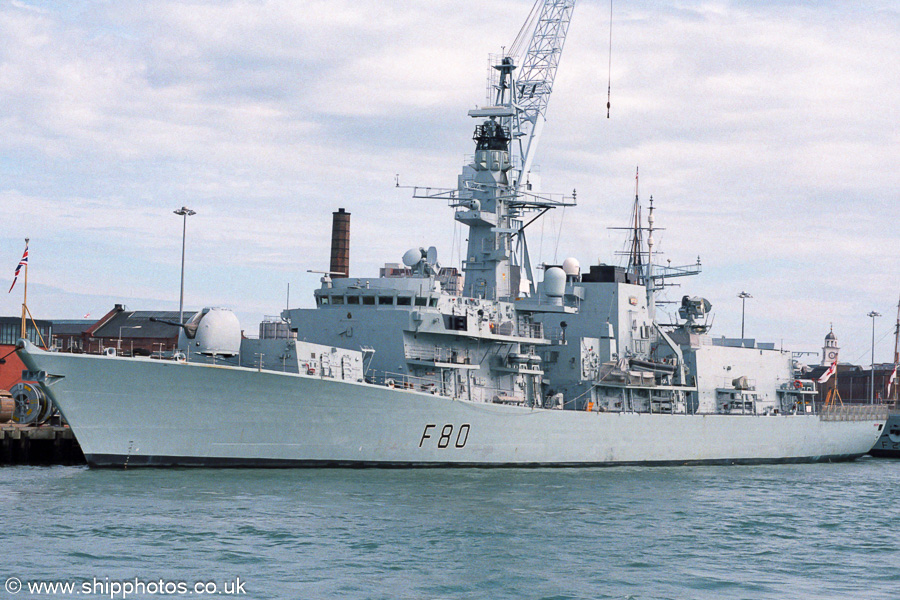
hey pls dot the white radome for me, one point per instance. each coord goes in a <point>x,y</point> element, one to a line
<point>554,282</point>
<point>571,266</point>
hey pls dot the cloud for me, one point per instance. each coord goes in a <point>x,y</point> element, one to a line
<point>766,133</point>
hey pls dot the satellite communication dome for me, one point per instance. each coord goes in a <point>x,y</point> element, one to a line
<point>554,282</point>
<point>412,257</point>
<point>571,266</point>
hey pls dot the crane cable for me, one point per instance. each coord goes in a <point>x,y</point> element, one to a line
<point>609,81</point>
<point>525,32</point>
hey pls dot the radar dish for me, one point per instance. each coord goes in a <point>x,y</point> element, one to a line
<point>431,255</point>
<point>412,257</point>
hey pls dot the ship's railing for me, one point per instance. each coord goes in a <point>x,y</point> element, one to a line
<point>798,386</point>
<point>497,395</point>
<point>556,335</point>
<point>853,412</point>
<point>531,330</point>
<point>726,384</point>
<point>437,354</point>
<point>406,382</point>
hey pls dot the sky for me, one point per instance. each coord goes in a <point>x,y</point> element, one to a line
<point>766,132</point>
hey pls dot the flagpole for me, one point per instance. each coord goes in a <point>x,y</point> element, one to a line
<point>25,294</point>
<point>834,390</point>
<point>826,376</point>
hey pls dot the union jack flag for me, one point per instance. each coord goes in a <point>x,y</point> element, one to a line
<point>22,263</point>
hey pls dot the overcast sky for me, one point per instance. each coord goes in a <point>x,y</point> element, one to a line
<point>767,133</point>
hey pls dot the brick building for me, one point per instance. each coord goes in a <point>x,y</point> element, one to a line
<point>132,332</point>
<point>10,332</point>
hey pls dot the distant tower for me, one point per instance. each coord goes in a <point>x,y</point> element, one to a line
<point>830,350</point>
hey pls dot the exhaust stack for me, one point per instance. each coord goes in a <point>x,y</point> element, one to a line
<point>340,243</point>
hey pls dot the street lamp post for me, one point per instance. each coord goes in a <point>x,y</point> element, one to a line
<point>873,314</point>
<point>743,296</point>
<point>184,212</point>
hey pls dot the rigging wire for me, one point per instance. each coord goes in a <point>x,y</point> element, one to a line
<point>453,241</point>
<point>559,234</point>
<point>867,351</point>
<point>525,31</point>
<point>541,246</point>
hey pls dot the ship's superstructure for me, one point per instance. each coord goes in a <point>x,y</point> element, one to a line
<point>404,369</point>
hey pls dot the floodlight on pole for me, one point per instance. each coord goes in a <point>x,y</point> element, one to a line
<point>183,212</point>
<point>872,314</point>
<point>743,296</point>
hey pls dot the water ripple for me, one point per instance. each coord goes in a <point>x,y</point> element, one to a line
<point>761,532</point>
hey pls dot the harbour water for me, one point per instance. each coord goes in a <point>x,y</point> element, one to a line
<point>788,531</point>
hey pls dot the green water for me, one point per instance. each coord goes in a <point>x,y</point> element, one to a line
<point>788,531</point>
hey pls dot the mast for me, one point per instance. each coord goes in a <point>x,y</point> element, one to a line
<point>643,270</point>
<point>636,254</point>
<point>493,194</point>
<point>25,293</point>
<point>640,261</point>
<point>651,287</point>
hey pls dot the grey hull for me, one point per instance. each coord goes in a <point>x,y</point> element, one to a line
<point>124,461</point>
<point>888,444</point>
<point>143,412</point>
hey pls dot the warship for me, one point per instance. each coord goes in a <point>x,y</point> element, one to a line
<point>888,444</point>
<point>428,365</point>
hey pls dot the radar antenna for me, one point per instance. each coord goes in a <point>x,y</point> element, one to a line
<point>494,191</point>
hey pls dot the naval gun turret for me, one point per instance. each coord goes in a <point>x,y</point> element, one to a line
<point>211,332</point>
